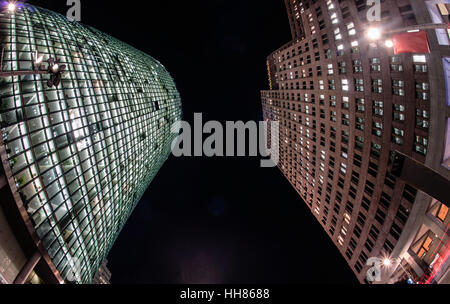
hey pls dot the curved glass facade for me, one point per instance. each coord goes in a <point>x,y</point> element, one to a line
<point>82,153</point>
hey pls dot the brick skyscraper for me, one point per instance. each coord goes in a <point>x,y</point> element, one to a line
<point>345,104</point>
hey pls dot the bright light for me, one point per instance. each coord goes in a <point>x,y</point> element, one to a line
<point>374,33</point>
<point>387,262</point>
<point>12,7</point>
<point>389,43</point>
<point>55,68</point>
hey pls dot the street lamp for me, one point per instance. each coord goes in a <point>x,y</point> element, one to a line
<point>387,262</point>
<point>373,33</point>
<point>389,43</point>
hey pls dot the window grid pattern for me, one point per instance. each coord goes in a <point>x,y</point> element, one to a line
<point>82,154</point>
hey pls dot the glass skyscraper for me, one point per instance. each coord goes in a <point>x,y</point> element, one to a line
<point>78,157</point>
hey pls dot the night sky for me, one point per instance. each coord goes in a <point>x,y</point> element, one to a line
<point>214,220</point>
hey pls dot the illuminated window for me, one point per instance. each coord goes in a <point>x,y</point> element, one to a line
<point>425,248</point>
<point>398,87</point>
<point>375,64</point>
<point>357,66</point>
<point>351,29</point>
<point>355,46</point>
<point>442,213</point>
<point>345,84</point>
<point>337,34</point>
<point>334,18</point>
<point>378,108</point>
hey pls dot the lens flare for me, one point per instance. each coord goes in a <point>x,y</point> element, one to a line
<point>12,6</point>
<point>374,33</point>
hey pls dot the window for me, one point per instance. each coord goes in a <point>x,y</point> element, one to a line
<point>359,85</point>
<point>345,135</point>
<point>377,86</point>
<point>399,112</point>
<point>385,200</point>
<point>369,245</point>
<point>355,47</point>
<point>375,64</point>
<point>346,119</point>
<point>426,245</point>
<point>319,70</point>
<point>359,143</point>
<point>388,246</point>
<point>360,104</point>
<point>342,67</point>
<point>361,220</point>
<point>351,29</point>
<point>376,150</point>
<point>422,118</point>
<point>333,116</point>
<point>334,18</point>
<point>373,169</point>
<point>331,84</point>
<point>340,50</point>
<point>396,64</point>
<point>409,193</point>
<point>374,232</point>
<point>343,168</point>
<point>345,84</point>
<point>345,102</point>
<point>398,87</point>
<point>380,216</point>
<point>322,24</point>
<point>337,34</point>
<point>378,108</point>
<point>419,59</point>
<point>420,145</point>
<point>365,203</point>
<point>397,136</point>
<point>377,129</point>
<point>420,63</point>
<point>422,90</point>
<point>317,56</point>
<point>360,123</point>
<point>389,180</point>
<point>442,213</point>
<point>402,214</point>
<point>330,69</point>
<point>357,66</point>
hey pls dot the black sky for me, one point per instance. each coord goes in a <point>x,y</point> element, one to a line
<point>218,220</point>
